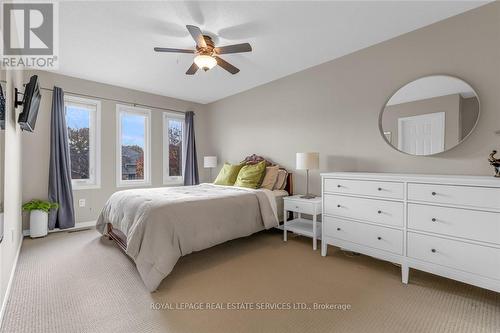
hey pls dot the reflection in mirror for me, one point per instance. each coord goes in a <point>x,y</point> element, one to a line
<point>430,115</point>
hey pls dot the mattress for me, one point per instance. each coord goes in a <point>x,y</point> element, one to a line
<point>278,196</point>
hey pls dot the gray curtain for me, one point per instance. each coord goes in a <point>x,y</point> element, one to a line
<point>191,166</point>
<point>60,189</point>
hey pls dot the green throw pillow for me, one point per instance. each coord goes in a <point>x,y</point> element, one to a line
<point>228,174</point>
<point>251,175</point>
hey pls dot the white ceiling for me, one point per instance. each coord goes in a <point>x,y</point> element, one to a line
<point>431,86</point>
<point>112,42</point>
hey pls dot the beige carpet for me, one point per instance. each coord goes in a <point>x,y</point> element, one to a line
<point>80,282</point>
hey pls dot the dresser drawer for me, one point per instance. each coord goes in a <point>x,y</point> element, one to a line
<point>378,211</point>
<point>471,224</point>
<point>391,190</point>
<point>300,207</point>
<point>481,197</point>
<point>477,259</point>
<point>381,238</point>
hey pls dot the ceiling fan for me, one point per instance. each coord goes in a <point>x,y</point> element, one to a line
<point>207,54</point>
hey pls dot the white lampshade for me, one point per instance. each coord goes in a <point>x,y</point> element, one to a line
<point>205,62</point>
<point>210,161</point>
<point>307,161</point>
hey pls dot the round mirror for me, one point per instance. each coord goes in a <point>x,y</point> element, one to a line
<point>430,115</point>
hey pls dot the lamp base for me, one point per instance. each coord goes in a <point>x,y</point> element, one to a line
<point>308,196</point>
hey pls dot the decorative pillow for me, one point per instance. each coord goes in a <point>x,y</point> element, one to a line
<point>228,174</point>
<point>270,177</point>
<point>281,181</point>
<point>251,175</point>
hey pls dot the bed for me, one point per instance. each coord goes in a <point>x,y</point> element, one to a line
<point>157,226</point>
<point>278,198</point>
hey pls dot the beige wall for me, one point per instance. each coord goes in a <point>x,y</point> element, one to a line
<point>12,186</point>
<point>36,144</point>
<point>449,104</point>
<point>334,108</point>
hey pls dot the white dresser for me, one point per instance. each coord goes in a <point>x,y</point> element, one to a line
<point>445,225</point>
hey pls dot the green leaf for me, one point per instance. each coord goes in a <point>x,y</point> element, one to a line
<point>42,205</point>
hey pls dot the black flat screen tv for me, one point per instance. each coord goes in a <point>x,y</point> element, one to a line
<point>31,104</point>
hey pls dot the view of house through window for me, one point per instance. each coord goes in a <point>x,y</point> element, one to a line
<point>81,122</point>
<point>133,147</point>
<point>133,143</point>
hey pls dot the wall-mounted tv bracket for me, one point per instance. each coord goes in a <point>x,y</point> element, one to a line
<point>17,102</point>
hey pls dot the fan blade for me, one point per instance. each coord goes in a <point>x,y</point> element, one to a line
<point>197,35</point>
<point>192,69</point>
<point>236,48</point>
<point>167,49</point>
<point>227,66</point>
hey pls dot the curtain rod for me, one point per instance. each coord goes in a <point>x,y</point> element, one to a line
<point>117,100</point>
<point>112,100</point>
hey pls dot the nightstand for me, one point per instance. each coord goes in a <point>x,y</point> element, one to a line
<point>299,225</point>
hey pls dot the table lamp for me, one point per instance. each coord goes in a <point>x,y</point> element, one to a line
<point>307,161</point>
<point>210,162</point>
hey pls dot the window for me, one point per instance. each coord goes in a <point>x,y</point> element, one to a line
<point>83,122</point>
<point>173,148</point>
<point>133,146</point>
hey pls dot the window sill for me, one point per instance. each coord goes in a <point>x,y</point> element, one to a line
<point>85,187</point>
<point>138,184</point>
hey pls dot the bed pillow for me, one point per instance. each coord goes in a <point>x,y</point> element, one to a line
<point>270,177</point>
<point>228,174</point>
<point>281,181</point>
<point>251,175</point>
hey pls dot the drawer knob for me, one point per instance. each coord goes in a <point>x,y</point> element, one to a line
<point>434,219</point>
<point>297,207</point>
<point>433,193</point>
<point>433,250</point>
<point>338,206</point>
<point>338,229</point>
<point>380,189</point>
<point>379,238</point>
<point>380,212</point>
<point>339,186</point>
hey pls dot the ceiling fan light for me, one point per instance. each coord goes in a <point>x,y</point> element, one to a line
<point>205,62</point>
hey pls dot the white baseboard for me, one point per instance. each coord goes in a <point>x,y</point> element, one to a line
<point>9,285</point>
<point>79,225</point>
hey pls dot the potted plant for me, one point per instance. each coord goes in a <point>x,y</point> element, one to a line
<point>39,216</point>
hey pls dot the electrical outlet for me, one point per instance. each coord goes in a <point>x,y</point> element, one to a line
<point>81,203</point>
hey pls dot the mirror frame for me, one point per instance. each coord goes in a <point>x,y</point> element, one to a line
<point>381,130</point>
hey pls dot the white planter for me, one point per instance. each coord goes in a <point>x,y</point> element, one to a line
<point>38,223</point>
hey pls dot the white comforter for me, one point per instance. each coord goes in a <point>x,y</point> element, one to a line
<point>163,224</point>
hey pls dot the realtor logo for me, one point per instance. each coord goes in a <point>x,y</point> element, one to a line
<point>29,35</point>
